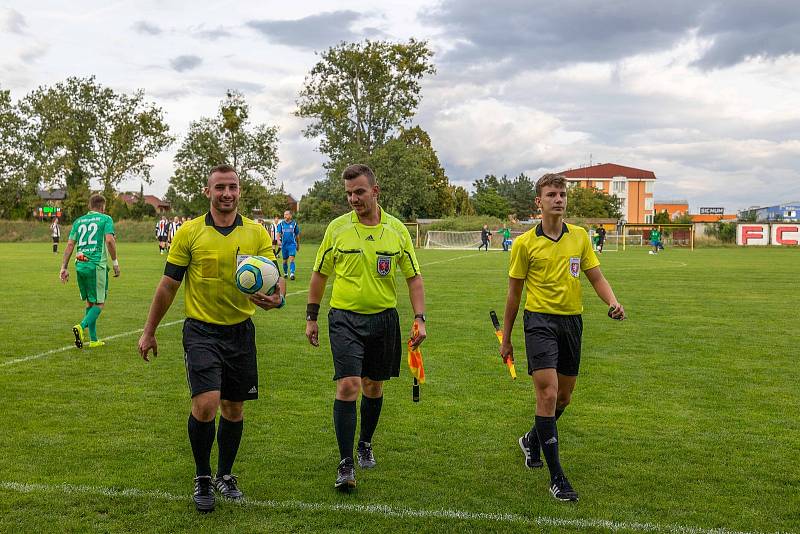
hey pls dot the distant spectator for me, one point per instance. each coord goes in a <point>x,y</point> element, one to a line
<point>601,238</point>
<point>485,235</point>
<point>55,232</point>
<point>506,233</point>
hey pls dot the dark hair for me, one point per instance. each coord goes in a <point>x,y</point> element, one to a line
<point>555,180</point>
<point>224,168</point>
<point>354,171</point>
<point>96,201</point>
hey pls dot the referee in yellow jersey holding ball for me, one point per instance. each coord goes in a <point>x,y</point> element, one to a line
<point>365,248</point>
<point>548,262</point>
<point>218,336</point>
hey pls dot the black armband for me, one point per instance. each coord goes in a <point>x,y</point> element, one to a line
<point>175,272</point>
<point>312,311</point>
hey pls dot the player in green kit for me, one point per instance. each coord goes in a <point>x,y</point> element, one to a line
<point>93,235</point>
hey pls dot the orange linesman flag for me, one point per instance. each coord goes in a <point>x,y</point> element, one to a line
<point>415,358</point>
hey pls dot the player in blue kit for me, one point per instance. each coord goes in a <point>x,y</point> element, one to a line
<point>288,233</point>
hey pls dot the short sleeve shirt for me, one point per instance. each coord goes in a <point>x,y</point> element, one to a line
<point>551,268</point>
<point>288,232</point>
<point>211,258</point>
<point>89,233</point>
<point>366,260</point>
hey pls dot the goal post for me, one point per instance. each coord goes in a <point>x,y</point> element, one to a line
<point>673,234</point>
<point>445,239</point>
<point>413,229</point>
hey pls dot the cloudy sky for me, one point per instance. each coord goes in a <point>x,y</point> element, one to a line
<point>705,93</point>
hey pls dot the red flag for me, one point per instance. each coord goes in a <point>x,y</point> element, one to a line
<point>415,358</point>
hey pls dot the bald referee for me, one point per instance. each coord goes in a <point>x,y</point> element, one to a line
<point>218,336</point>
<point>548,261</point>
<point>365,248</point>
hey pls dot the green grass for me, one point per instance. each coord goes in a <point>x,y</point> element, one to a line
<point>684,415</point>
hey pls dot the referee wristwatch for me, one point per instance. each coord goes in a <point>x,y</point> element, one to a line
<point>420,316</point>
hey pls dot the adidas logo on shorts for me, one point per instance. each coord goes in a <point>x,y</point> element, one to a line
<point>253,390</point>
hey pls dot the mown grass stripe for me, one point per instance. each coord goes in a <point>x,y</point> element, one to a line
<point>378,509</point>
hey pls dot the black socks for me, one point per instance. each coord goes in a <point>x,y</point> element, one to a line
<point>344,422</point>
<point>201,437</point>
<point>548,440</point>
<point>370,412</point>
<point>229,436</point>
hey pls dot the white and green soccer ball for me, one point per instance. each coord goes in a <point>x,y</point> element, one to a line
<point>257,273</point>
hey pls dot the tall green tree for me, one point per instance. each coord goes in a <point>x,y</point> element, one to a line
<point>359,94</point>
<point>461,201</point>
<point>587,202</point>
<point>77,129</point>
<point>226,138</point>
<point>520,193</point>
<point>17,186</point>
<point>487,200</point>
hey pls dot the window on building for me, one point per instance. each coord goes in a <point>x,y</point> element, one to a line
<point>648,187</point>
<point>791,213</point>
<point>648,203</point>
<point>618,187</point>
<point>648,219</point>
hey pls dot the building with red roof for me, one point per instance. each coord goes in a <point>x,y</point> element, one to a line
<point>634,187</point>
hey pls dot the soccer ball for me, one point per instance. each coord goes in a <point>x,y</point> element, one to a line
<point>650,252</point>
<point>255,274</point>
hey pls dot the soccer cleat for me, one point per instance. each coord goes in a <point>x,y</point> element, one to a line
<point>366,460</point>
<point>531,462</point>
<point>345,475</point>
<point>203,494</point>
<point>291,276</point>
<point>561,489</point>
<point>227,487</point>
<point>95,344</point>
<point>77,330</point>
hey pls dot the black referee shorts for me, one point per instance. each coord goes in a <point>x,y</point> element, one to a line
<point>553,342</point>
<point>221,358</point>
<point>365,345</point>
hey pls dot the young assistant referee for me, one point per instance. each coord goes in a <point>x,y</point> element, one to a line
<point>548,262</point>
<point>365,249</point>
<point>218,335</point>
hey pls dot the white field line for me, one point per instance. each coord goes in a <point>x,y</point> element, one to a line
<point>377,509</point>
<point>172,323</point>
<point>115,336</point>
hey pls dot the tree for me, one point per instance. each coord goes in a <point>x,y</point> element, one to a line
<point>461,201</point>
<point>226,138</point>
<point>520,193</point>
<point>78,129</point>
<point>487,200</point>
<point>662,217</point>
<point>17,187</point>
<point>588,202</point>
<point>141,209</point>
<point>359,94</point>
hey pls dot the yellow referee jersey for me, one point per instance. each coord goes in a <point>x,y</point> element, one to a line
<point>365,260</point>
<point>211,257</point>
<point>551,269</point>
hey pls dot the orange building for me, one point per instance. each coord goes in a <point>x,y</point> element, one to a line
<point>675,208</point>
<point>634,187</point>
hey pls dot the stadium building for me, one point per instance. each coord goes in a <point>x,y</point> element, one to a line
<point>679,208</point>
<point>788,212</point>
<point>634,187</point>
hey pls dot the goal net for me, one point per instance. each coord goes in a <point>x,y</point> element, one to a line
<point>615,242</point>
<point>464,240</point>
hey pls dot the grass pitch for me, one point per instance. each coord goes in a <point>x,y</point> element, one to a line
<point>685,417</point>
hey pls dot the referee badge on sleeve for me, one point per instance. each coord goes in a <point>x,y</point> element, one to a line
<point>575,266</point>
<point>384,265</point>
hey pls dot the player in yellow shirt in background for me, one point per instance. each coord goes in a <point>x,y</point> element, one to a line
<point>548,261</point>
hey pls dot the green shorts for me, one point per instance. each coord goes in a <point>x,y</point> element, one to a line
<point>93,283</point>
